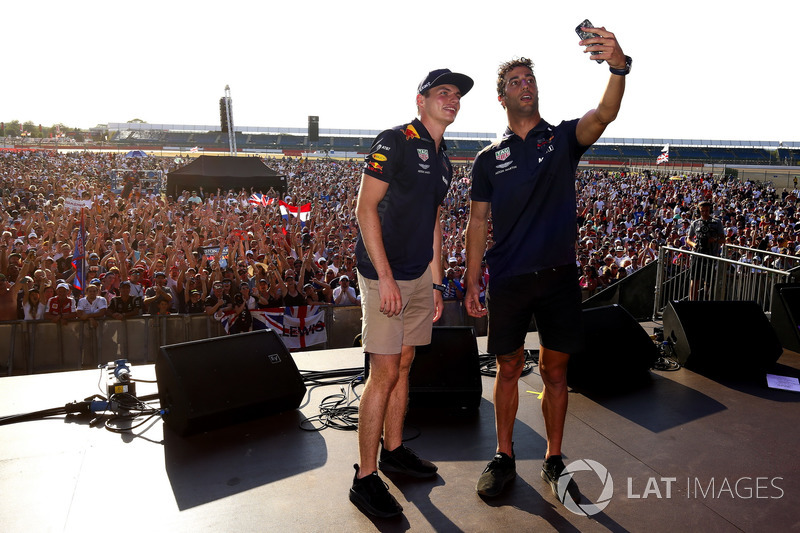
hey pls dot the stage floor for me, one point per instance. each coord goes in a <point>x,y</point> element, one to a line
<point>685,453</point>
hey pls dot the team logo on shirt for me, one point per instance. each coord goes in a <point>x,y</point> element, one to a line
<point>379,157</point>
<point>410,133</point>
<point>502,155</point>
<point>375,167</point>
<point>422,153</point>
<point>544,142</point>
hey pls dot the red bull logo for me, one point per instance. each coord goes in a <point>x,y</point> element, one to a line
<point>411,133</point>
<point>376,167</point>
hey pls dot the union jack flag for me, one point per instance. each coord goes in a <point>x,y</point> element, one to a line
<point>664,157</point>
<point>259,199</point>
<point>299,327</point>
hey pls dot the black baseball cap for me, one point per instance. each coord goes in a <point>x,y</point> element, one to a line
<point>443,76</point>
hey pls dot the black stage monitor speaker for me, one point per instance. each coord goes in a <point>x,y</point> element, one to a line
<point>721,338</point>
<point>211,383</point>
<point>785,314</point>
<point>446,373</point>
<point>617,352</point>
<point>313,128</point>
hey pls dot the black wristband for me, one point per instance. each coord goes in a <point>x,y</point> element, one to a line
<point>623,71</point>
<point>440,288</point>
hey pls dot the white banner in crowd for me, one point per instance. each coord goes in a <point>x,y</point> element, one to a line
<point>73,204</point>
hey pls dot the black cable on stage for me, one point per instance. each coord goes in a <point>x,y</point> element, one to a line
<point>667,360</point>
<point>488,363</point>
<point>664,364</point>
<point>335,411</point>
<point>35,415</point>
<point>331,377</point>
<point>122,406</point>
<point>109,427</point>
<point>133,406</point>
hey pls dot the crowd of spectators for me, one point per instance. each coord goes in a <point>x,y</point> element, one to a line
<point>214,252</point>
<point>625,218</point>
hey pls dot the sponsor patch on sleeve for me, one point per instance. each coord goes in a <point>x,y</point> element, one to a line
<point>375,167</point>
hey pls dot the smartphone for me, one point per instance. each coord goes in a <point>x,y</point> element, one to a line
<point>585,34</point>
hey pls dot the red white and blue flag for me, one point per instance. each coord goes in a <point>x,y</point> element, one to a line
<point>664,157</point>
<point>299,327</point>
<point>303,212</point>
<point>79,258</point>
<point>259,199</point>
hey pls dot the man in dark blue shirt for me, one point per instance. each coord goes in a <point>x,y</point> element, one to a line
<point>398,250</point>
<point>528,180</point>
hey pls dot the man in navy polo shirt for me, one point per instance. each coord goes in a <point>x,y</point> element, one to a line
<point>528,180</point>
<point>398,251</point>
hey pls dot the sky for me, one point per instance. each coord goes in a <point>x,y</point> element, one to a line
<point>701,69</point>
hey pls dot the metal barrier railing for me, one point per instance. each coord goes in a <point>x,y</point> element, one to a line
<point>41,346</point>
<point>785,262</point>
<point>687,275</point>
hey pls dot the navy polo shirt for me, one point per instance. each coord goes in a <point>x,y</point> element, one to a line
<point>405,157</point>
<point>530,184</point>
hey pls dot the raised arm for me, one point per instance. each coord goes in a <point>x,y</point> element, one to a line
<point>592,125</point>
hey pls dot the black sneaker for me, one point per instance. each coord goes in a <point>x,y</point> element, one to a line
<point>551,473</point>
<point>498,472</point>
<point>404,461</point>
<point>371,494</point>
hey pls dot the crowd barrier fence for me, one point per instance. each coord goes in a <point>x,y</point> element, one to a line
<point>40,346</point>
<point>716,278</point>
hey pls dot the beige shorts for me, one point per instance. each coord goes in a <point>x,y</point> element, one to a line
<point>412,327</point>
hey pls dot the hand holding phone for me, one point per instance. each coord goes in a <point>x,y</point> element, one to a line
<point>587,35</point>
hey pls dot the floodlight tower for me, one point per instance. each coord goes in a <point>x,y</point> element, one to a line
<point>229,116</point>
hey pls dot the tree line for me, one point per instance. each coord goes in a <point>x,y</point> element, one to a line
<point>13,128</point>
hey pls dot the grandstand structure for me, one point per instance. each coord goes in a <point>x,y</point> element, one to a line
<point>269,140</point>
<point>351,143</point>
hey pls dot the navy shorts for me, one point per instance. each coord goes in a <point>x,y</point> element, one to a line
<point>551,296</point>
